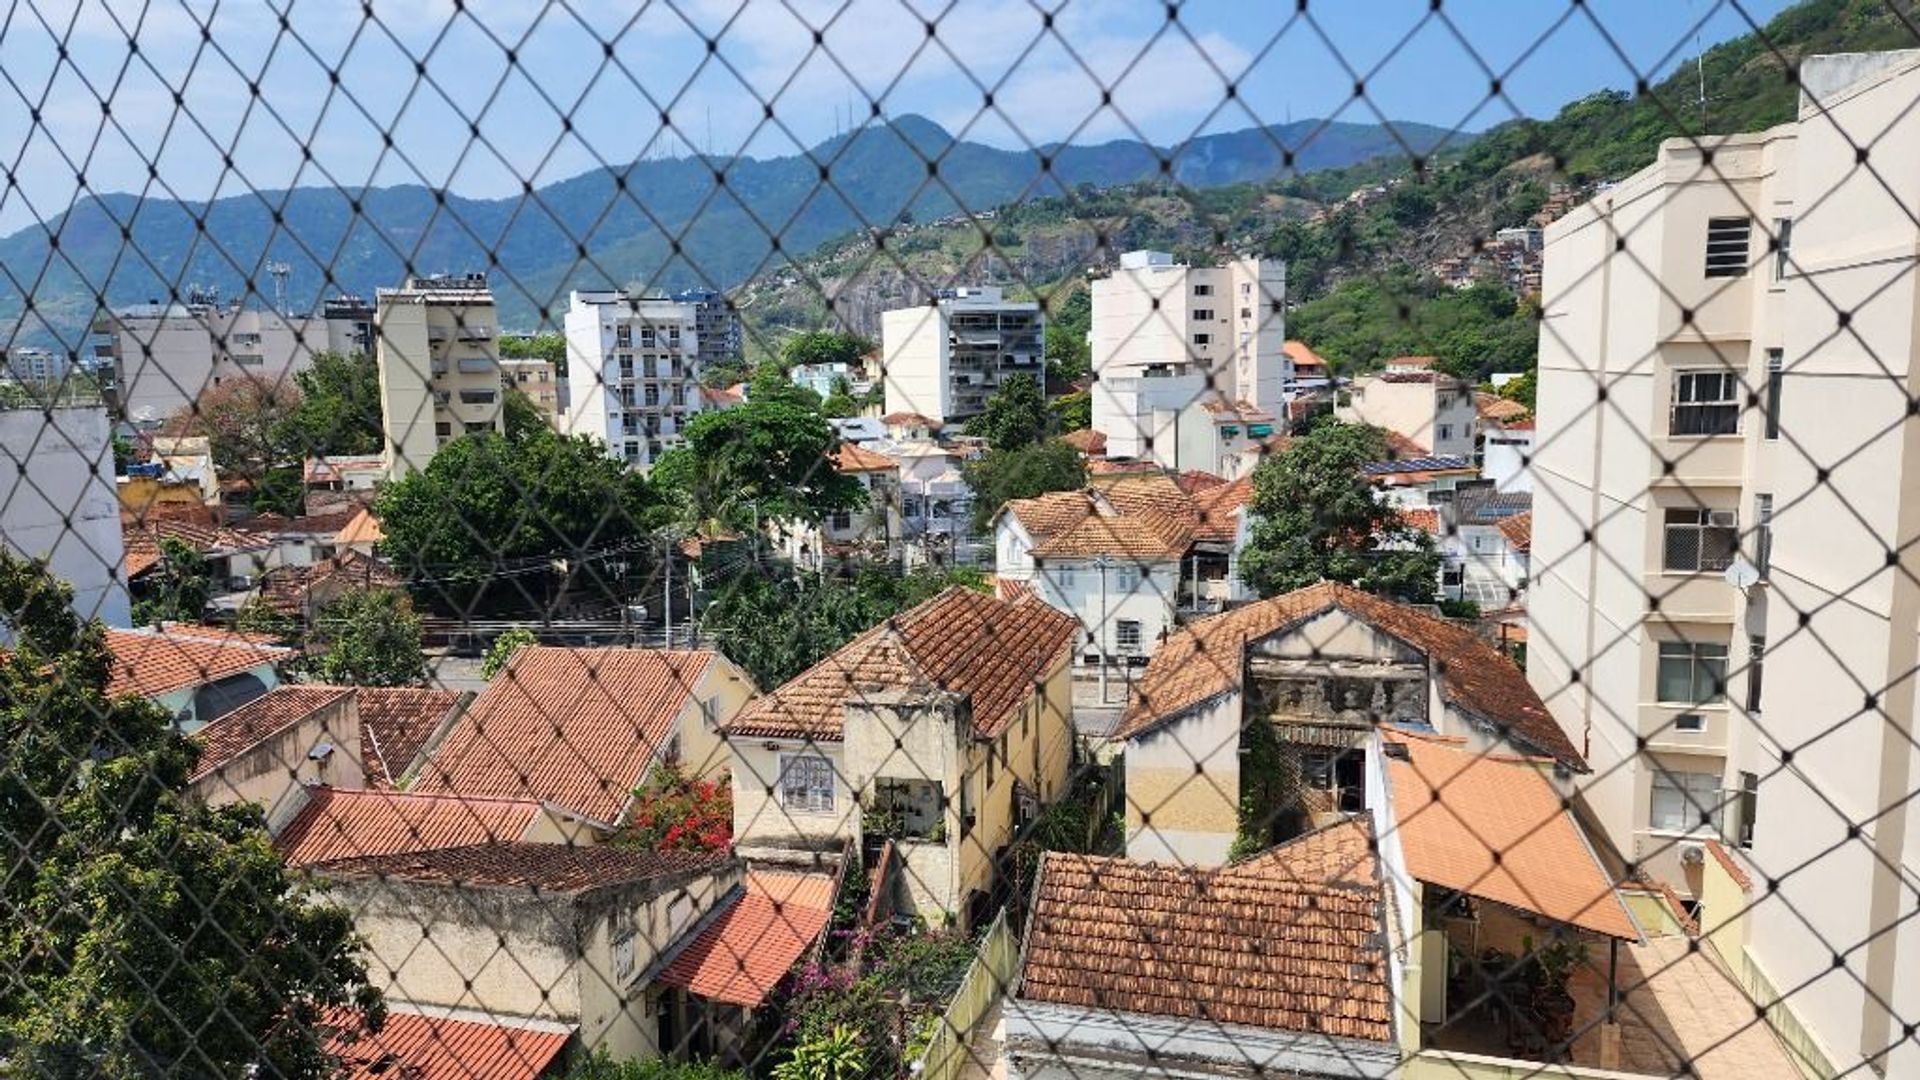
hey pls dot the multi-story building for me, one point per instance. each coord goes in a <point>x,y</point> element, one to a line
<point>164,355</point>
<point>439,359</point>
<point>1725,477</point>
<point>349,325</point>
<point>716,322</point>
<point>536,379</point>
<point>945,358</point>
<point>42,367</point>
<point>1190,362</point>
<point>65,511</point>
<point>1431,409</point>
<point>633,372</point>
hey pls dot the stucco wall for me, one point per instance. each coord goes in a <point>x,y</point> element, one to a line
<point>1177,813</point>
<point>268,772</point>
<point>762,821</point>
<point>67,511</point>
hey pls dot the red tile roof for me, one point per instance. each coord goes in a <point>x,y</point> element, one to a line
<point>1303,356</point>
<point>1148,536</point>
<point>362,528</point>
<point>912,419</point>
<point>258,720</point>
<point>1217,510</point>
<point>991,651</point>
<point>548,868</point>
<point>410,1046</point>
<point>1270,943</point>
<point>1044,515</point>
<point>1518,529</point>
<point>575,727</point>
<point>1494,407</point>
<point>337,824</point>
<point>740,957</point>
<point>395,724</point>
<point>1425,519</point>
<point>1088,441</point>
<point>848,458</point>
<point>1193,481</point>
<point>1493,827</point>
<point>148,663</point>
<point>1203,660</point>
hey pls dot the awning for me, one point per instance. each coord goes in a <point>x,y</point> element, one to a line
<point>741,956</point>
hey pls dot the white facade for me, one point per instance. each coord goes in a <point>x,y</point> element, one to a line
<point>1692,316</point>
<point>1168,338</point>
<point>163,356</point>
<point>438,354</point>
<point>1506,455</point>
<point>58,503</point>
<point>633,372</point>
<point>1125,605</point>
<point>944,359</point>
<point>1431,409</point>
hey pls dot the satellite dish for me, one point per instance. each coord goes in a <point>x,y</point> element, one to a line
<point>1742,574</point>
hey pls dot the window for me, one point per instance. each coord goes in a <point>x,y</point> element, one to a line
<point>806,783</point>
<point>1202,314</point>
<point>1692,673</point>
<point>1756,650</point>
<point>1776,376</point>
<point>1704,403</point>
<point>1782,245</point>
<point>1762,532</point>
<point>1749,806</point>
<point>842,520</point>
<point>623,337</point>
<point>1202,339</point>
<point>1318,769</point>
<point>1203,290</point>
<point>1126,634</point>
<point>1684,801</point>
<point>443,429</point>
<point>1727,242</point>
<point>1690,722</point>
<point>1446,431</point>
<point>1700,539</point>
<point>1126,579</point>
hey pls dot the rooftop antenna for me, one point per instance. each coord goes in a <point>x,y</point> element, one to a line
<point>1700,72</point>
<point>279,271</point>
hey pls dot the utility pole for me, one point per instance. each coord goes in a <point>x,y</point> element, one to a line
<point>666,595</point>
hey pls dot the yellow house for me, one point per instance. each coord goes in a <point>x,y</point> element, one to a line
<point>944,728</point>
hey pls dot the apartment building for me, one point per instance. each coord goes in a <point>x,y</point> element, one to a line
<point>717,322</point>
<point>536,379</point>
<point>439,358</point>
<point>1190,362</point>
<point>41,367</point>
<point>1746,490</point>
<point>1432,409</point>
<point>164,355</point>
<point>66,512</point>
<point>945,358</point>
<point>633,371</point>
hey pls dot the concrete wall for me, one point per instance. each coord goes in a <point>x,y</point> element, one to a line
<point>1437,414</point>
<point>269,772</point>
<point>58,503</point>
<point>724,689</point>
<point>425,342</point>
<point>1183,787</point>
<point>761,820</point>
<point>913,343</point>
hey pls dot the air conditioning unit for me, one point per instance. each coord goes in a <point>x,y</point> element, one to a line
<point>1692,854</point>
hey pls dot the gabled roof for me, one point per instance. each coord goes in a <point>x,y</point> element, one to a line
<point>547,868</point>
<point>1424,518</point>
<point>851,458</point>
<point>258,720</point>
<point>1269,943</point>
<point>1149,489</point>
<point>1204,659</point>
<point>1044,515</point>
<point>963,642</point>
<point>1518,529</point>
<point>413,1046</point>
<point>740,957</point>
<point>911,419</point>
<point>1339,854</point>
<point>576,727</point>
<point>395,724</point>
<point>342,824</point>
<point>1496,408</point>
<point>149,663</point>
<point>1302,355</point>
<point>1139,537</point>
<point>141,540</point>
<point>1088,441</point>
<point>1217,509</point>
<point>290,589</point>
<point>361,528</point>
<point>1492,826</point>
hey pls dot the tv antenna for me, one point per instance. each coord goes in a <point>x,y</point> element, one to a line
<point>279,271</point>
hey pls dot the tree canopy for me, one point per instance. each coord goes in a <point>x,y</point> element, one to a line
<point>1016,415</point>
<point>1317,518</point>
<point>1004,475</point>
<point>550,347</point>
<point>245,422</point>
<point>338,411</point>
<point>824,347</point>
<point>1365,322</point>
<point>368,637</point>
<point>148,933</point>
<point>179,587</point>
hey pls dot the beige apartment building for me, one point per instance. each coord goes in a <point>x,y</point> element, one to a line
<point>1432,409</point>
<point>944,359</point>
<point>439,358</point>
<point>1726,472</point>
<point>536,379</point>
<point>1190,361</point>
<point>164,355</point>
<point>633,371</point>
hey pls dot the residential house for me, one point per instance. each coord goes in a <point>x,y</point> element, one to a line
<point>398,725</point>
<point>1310,369</point>
<point>343,473</point>
<point>557,933</point>
<point>908,426</point>
<point>331,823</point>
<point>945,728</point>
<point>235,556</point>
<point>444,1044</point>
<point>583,728</point>
<point>863,532</point>
<point>1506,453</point>
<point>303,591</point>
<point>1419,480</point>
<point>1483,557</point>
<point>1325,666</point>
<point>196,673</point>
<point>361,534</point>
<point>178,472</point>
<point>1432,409</point>
<point>1091,444</point>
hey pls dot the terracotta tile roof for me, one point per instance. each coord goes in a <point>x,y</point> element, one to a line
<point>1146,536</point>
<point>1520,425</point>
<point>1217,510</point>
<point>1088,441</point>
<point>1098,468</point>
<point>912,419</point>
<point>1193,481</point>
<point>1401,448</point>
<point>149,663</point>
<point>1303,356</point>
<point>849,458</point>
<point>740,957</point>
<point>575,727</point>
<point>141,540</point>
<point>362,528</point>
<point>323,470</point>
<point>1231,411</point>
<point>1009,589</point>
<point>410,1046</point>
<point>960,641</point>
<point>1044,515</point>
<point>395,724</point>
<point>1338,854</point>
<point>219,633</point>
<point>1426,519</point>
<point>259,720</point>
<point>1731,865</point>
<point>290,589</point>
<point>1136,491</point>
<point>1412,361</point>
<point>552,868</point>
<point>1203,660</point>
<point>1518,529</point>
<point>724,398</point>
<point>343,824</point>
<point>1494,407</point>
<point>1493,827</point>
<point>1268,946</point>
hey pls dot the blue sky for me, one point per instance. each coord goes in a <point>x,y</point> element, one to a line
<point>1168,79</point>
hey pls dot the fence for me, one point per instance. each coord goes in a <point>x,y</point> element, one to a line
<point>948,1055</point>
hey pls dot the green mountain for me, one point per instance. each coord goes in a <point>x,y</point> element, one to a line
<point>673,223</point>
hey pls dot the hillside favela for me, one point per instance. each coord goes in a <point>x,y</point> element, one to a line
<point>895,540</point>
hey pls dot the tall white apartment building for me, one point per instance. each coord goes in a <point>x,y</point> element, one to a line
<point>633,371</point>
<point>436,343</point>
<point>164,355</point>
<point>945,358</point>
<point>1190,362</point>
<point>1728,470</point>
<point>58,503</point>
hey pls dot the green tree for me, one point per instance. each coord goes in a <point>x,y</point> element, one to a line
<point>824,347</point>
<point>500,653</point>
<point>521,418</point>
<point>550,347</point>
<point>840,402</point>
<point>368,637</point>
<point>601,1066</point>
<point>838,1055</point>
<point>1522,389</point>
<point>485,504</point>
<point>179,587</point>
<point>280,490</point>
<point>1004,475</point>
<point>1016,415</point>
<point>339,408</point>
<point>256,616</point>
<point>148,934</point>
<point>1317,518</point>
<point>245,423</point>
